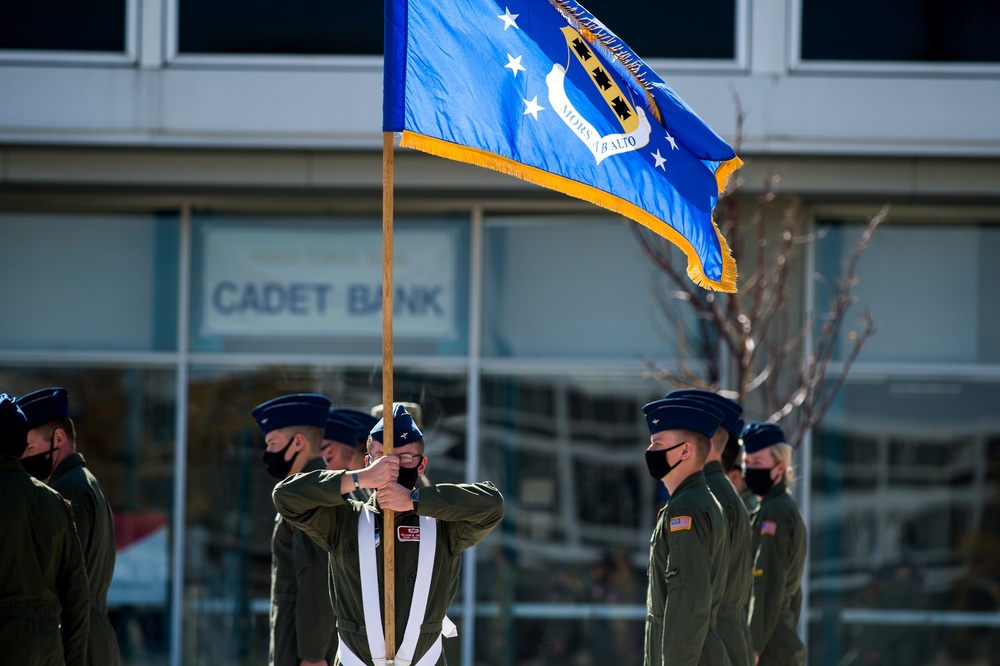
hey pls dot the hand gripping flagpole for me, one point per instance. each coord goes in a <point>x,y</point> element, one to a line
<point>388,527</point>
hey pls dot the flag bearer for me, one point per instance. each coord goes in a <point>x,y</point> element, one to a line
<point>433,526</point>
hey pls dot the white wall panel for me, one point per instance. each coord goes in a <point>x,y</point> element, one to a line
<point>317,108</point>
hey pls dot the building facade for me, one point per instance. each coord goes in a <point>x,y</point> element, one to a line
<point>190,206</point>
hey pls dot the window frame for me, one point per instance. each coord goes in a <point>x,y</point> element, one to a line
<point>173,55</point>
<point>129,56</point>
<point>889,67</point>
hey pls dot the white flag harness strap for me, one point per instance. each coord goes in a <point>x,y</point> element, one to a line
<point>418,606</point>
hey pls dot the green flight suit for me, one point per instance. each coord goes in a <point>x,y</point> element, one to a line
<point>750,501</point>
<point>688,558</point>
<point>44,597</point>
<point>303,625</point>
<point>95,525</point>
<point>734,623</point>
<point>780,543</point>
<point>465,514</point>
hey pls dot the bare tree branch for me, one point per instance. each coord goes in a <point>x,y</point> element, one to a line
<point>783,366</point>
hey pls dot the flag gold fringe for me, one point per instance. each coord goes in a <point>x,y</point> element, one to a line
<point>454,151</point>
<point>725,170</point>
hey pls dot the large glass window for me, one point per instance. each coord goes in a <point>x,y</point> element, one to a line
<point>296,27</point>
<point>63,25</point>
<point>315,285</point>
<point>904,524</point>
<point>949,310</point>
<point>933,31</point>
<point>548,279</point>
<point>89,282</point>
<point>702,30</point>
<point>563,579</point>
<point>230,515</point>
<point>124,419</point>
<point>691,30</point>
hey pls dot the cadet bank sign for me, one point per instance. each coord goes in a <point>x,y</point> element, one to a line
<point>321,283</point>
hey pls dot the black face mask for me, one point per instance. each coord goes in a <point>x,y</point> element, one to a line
<point>275,461</point>
<point>408,476</point>
<point>39,465</point>
<point>656,462</point>
<point>758,481</point>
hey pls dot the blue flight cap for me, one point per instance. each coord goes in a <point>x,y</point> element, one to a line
<point>737,428</point>
<point>731,409</point>
<point>44,405</point>
<point>348,426</point>
<point>757,436</point>
<point>682,414</point>
<point>364,419</point>
<point>404,429</point>
<point>12,417</point>
<point>341,428</point>
<point>298,409</point>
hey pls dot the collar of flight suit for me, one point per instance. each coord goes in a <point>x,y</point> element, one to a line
<point>693,480</point>
<point>71,461</point>
<point>777,490</point>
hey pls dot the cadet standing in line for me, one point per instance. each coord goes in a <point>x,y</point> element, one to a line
<point>780,543</point>
<point>44,597</point>
<point>732,465</point>
<point>344,443</point>
<point>434,526</point>
<point>51,457</point>
<point>302,621</point>
<point>688,553</point>
<point>734,629</point>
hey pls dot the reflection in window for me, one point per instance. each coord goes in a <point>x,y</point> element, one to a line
<point>949,311</point>
<point>124,420</point>
<point>918,536</point>
<point>63,25</point>
<point>548,278</point>
<point>564,577</point>
<point>933,31</point>
<point>75,292</point>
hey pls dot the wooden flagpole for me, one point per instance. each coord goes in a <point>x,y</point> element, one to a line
<point>388,519</point>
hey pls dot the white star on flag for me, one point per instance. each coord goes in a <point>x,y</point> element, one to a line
<point>673,141</point>
<point>508,19</point>
<point>514,64</point>
<point>532,107</point>
<point>660,160</point>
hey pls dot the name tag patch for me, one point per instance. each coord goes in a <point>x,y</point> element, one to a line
<point>680,523</point>
<point>406,533</point>
<point>768,527</point>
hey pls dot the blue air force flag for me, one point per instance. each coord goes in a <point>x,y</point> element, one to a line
<point>542,90</point>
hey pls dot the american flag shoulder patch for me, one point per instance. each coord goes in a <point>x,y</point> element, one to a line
<point>768,527</point>
<point>680,523</point>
